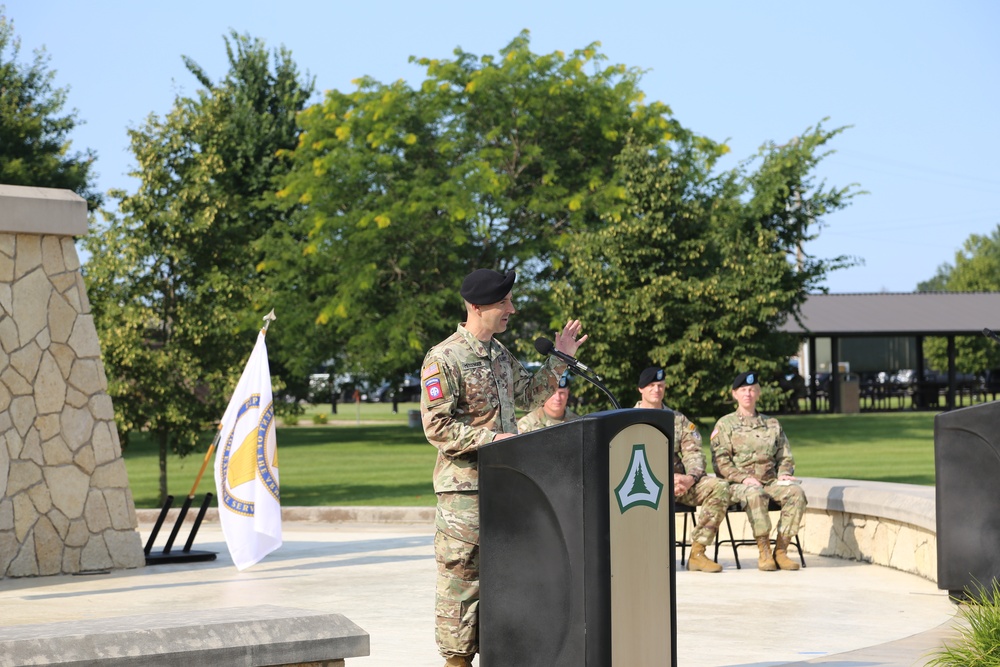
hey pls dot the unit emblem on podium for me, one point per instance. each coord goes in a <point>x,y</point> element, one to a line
<point>639,486</point>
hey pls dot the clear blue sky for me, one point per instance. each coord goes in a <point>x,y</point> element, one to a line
<point>918,81</point>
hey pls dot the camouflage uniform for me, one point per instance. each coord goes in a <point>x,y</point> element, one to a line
<point>469,393</point>
<point>537,419</point>
<point>711,493</point>
<point>757,447</point>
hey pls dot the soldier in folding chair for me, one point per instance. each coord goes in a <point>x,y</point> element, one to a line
<point>692,486</point>
<point>751,452</point>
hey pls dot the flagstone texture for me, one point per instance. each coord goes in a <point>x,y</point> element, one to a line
<point>65,503</point>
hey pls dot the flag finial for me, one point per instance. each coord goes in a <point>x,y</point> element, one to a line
<point>268,319</point>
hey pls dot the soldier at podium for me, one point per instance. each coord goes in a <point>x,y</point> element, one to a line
<point>692,486</point>
<point>552,412</point>
<point>470,387</point>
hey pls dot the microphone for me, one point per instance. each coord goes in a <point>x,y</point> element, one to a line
<point>989,333</point>
<point>545,346</point>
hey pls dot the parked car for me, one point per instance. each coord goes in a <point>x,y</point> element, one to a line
<point>907,377</point>
<point>991,382</point>
<point>319,388</point>
<point>407,392</point>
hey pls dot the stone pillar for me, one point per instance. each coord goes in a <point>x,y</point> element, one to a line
<point>65,503</point>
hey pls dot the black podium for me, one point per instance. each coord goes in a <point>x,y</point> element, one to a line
<point>576,549</point>
<point>967,467</point>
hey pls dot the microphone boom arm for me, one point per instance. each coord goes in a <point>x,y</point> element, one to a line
<point>596,381</point>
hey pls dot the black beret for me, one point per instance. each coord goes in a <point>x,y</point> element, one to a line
<point>651,374</point>
<point>485,286</point>
<point>747,378</point>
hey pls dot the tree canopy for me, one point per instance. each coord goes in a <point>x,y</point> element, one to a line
<point>695,274</point>
<point>172,277</point>
<point>489,162</point>
<point>35,148</point>
<point>976,269</point>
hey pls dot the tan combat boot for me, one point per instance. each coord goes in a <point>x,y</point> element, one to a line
<point>458,661</point>
<point>699,562</point>
<point>765,561</point>
<point>780,556</point>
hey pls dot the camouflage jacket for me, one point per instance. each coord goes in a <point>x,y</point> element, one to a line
<point>750,447</point>
<point>469,391</point>
<point>537,419</point>
<point>689,459</point>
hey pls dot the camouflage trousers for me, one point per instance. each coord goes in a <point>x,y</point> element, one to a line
<point>712,494</point>
<point>456,550</point>
<point>755,499</point>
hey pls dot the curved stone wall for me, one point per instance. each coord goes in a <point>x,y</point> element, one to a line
<point>65,504</point>
<point>875,522</point>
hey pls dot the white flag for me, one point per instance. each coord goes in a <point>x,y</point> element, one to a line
<point>246,466</point>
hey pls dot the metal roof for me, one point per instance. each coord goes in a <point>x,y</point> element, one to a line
<point>898,314</point>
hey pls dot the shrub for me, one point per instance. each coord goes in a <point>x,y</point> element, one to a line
<point>978,642</point>
<point>319,418</point>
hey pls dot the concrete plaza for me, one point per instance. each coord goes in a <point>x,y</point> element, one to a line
<point>834,612</point>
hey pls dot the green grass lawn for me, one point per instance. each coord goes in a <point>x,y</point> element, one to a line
<point>369,456</point>
<point>884,446</point>
<point>357,412</point>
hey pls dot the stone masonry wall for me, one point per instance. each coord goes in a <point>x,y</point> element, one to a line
<point>65,503</point>
<point>870,539</point>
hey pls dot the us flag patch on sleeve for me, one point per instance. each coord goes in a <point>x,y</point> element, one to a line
<point>433,388</point>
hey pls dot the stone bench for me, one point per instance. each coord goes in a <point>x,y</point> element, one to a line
<point>236,637</point>
<point>887,524</point>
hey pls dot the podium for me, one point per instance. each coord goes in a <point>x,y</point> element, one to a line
<point>967,466</point>
<point>576,548</point>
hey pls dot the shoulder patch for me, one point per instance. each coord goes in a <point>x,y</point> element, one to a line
<point>715,433</point>
<point>429,370</point>
<point>433,389</point>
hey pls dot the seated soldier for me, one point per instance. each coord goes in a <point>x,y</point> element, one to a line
<point>751,452</point>
<point>691,485</point>
<point>552,412</point>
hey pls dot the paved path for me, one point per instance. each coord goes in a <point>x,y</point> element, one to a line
<point>381,577</point>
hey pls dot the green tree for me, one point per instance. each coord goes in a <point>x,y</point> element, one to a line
<point>696,275</point>
<point>638,483</point>
<point>487,163</point>
<point>173,278</point>
<point>35,148</point>
<point>976,269</point>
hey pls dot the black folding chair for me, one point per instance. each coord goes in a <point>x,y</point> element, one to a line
<point>689,513</point>
<point>736,542</point>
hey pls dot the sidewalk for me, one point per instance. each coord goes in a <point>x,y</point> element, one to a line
<point>381,576</point>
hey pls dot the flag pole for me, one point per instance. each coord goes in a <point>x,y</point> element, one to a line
<point>204,464</point>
